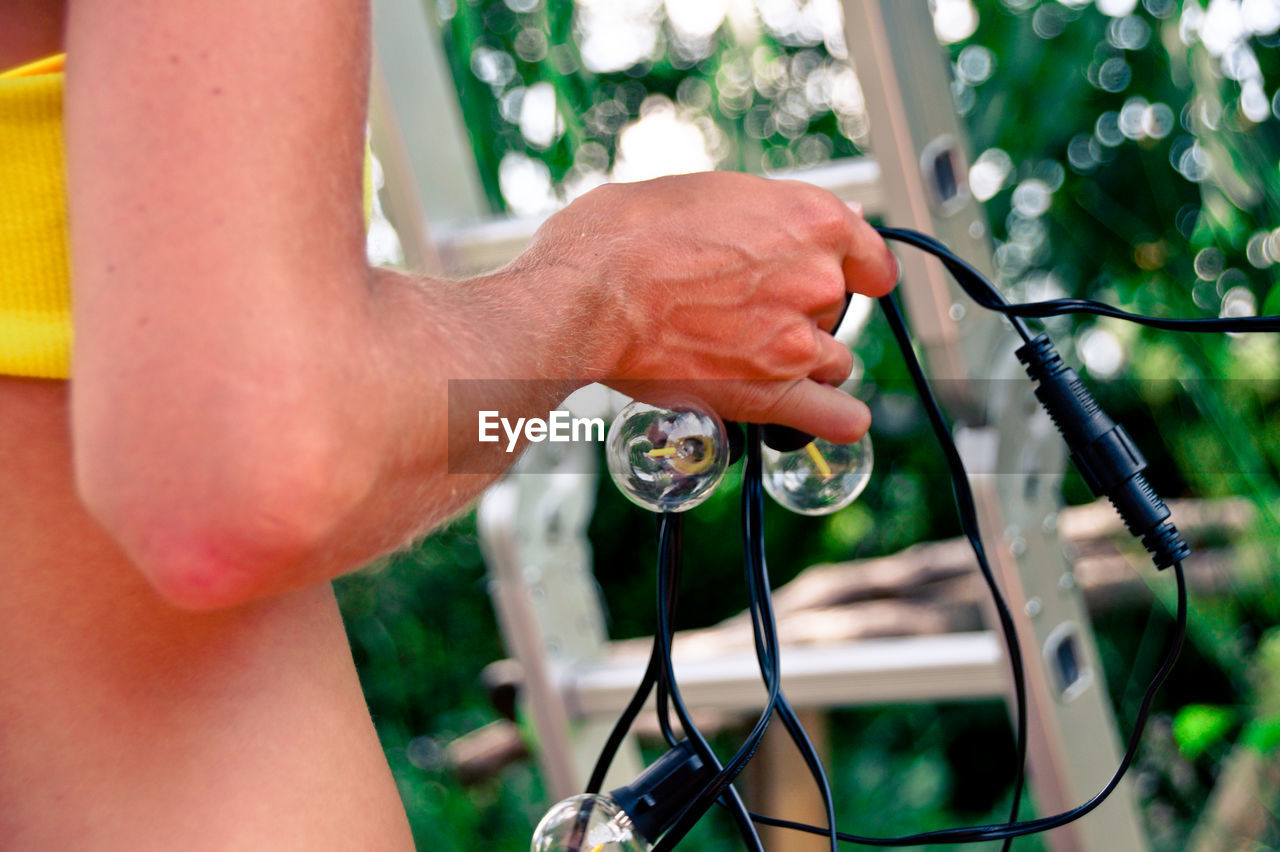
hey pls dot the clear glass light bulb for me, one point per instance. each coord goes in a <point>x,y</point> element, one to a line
<point>667,459</point>
<point>820,477</point>
<point>587,823</point>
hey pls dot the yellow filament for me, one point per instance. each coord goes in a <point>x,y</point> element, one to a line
<point>657,453</point>
<point>818,461</point>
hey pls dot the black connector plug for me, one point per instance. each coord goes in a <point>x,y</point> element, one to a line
<point>1103,452</point>
<point>659,795</point>
<point>784,439</point>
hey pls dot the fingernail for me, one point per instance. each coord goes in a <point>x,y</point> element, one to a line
<point>855,206</point>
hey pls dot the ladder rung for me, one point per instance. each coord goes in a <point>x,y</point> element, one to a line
<point>865,671</point>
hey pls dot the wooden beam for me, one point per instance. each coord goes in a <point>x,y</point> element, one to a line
<point>778,783</point>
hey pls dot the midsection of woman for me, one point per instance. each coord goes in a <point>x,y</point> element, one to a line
<point>126,723</point>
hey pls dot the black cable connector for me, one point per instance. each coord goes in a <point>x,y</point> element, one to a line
<point>657,797</point>
<point>1103,452</point>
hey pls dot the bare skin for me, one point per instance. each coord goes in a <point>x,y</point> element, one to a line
<point>254,411</point>
<point>128,724</point>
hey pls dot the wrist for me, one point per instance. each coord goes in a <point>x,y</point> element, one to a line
<point>572,313</point>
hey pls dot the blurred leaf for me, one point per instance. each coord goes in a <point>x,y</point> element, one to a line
<point>1199,727</point>
<point>1263,735</point>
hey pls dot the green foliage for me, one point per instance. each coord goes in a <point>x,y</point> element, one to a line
<point>911,768</point>
<point>732,86</point>
<point>1200,727</point>
<point>421,628</point>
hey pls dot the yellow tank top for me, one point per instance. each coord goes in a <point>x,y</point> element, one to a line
<point>35,278</point>
<point>35,283</point>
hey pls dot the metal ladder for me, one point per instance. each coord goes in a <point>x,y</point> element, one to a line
<point>533,526</point>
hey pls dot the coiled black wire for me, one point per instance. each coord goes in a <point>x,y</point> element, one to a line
<point>765,631</point>
<point>660,671</point>
<point>1005,831</point>
<point>977,287</point>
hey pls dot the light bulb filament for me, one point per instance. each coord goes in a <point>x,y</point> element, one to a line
<point>657,453</point>
<point>818,460</point>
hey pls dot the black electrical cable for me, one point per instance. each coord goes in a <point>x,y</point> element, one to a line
<point>752,743</point>
<point>670,533</point>
<point>1058,307</point>
<point>670,536</point>
<point>977,834</point>
<point>669,578</point>
<point>978,288</point>
<point>663,708</point>
<point>764,625</point>
<point>982,291</point>
<point>758,589</point>
<point>764,632</point>
<point>668,574</point>
<point>623,725</point>
<point>753,539</point>
<point>1104,453</point>
<point>969,524</point>
<point>661,673</point>
<point>973,282</point>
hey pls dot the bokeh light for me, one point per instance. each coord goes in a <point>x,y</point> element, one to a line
<point>662,142</point>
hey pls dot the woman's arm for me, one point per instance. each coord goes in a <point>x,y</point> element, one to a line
<point>255,410</point>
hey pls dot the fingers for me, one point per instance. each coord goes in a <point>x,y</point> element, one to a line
<point>820,410</point>
<point>869,267</point>
<point>810,406</point>
<point>828,223</point>
<point>751,280</point>
<point>835,361</point>
<point>828,316</point>
<point>815,406</point>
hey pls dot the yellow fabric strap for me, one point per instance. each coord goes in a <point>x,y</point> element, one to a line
<point>35,292</point>
<point>48,65</point>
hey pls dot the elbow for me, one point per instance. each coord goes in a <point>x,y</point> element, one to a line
<point>222,533</point>
<point>218,563</point>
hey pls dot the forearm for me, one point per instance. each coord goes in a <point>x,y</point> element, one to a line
<point>257,481</point>
<point>446,350</point>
